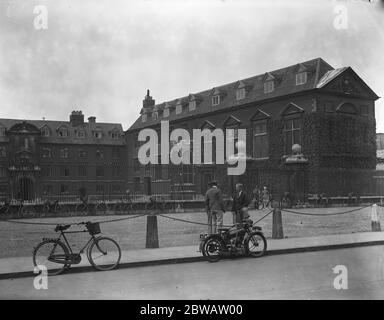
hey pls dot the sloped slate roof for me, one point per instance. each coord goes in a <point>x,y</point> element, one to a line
<point>284,84</point>
<point>88,127</point>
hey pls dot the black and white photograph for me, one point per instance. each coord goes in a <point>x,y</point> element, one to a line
<point>195,151</point>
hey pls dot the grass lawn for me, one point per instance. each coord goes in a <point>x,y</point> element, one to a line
<point>19,240</point>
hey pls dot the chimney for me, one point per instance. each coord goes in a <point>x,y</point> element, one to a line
<point>148,101</point>
<point>92,119</point>
<point>76,118</point>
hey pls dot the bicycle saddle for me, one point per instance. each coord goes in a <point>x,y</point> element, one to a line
<point>62,227</point>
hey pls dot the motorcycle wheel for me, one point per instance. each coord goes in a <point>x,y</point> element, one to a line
<point>212,249</point>
<point>255,245</point>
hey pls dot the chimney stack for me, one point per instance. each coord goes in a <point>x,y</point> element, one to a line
<point>76,118</point>
<point>92,119</point>
<point>148,101</point>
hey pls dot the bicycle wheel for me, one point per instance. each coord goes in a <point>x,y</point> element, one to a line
<point>212,248</point>
<point>255,245</point>
<point>48,250</point>
<point>104,254</point>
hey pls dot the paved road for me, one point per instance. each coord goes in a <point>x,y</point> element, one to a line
<point>290,276</point>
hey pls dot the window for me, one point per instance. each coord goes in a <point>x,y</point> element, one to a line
<point>144,117</point>
<point>192,105</point>
<point>82,153</point>
<point>116,172</point>
<point>45,132</point>
<point>116,189</point>
<point>269,86</point>
<point>301,78</point>
<point>3,152</point>
<point>64,189</point>
<point>64,171</point>
<point>99,154</point>
<point>179,108</point>
<point>99,172</point>
<point>115,135</point>
<point>46,171</point>
<point>136,184</point>
<point>260,140</point>
<point>187,175</point>
<point>328,107</point>
<point>364,110</point>
<point>97,134</point>
<point>47,189</point>
<point>216,100</point>
<point>2,131</point>
<point>80,134</point>
<point>240,93</point>
<point>100,188</point>
<point>116,153</point>
<point>136,165</point>
<point>46,153</point>
<point>64,153</point>
<point>63,133</point>
<point>82,171</point>
<point>155,115</point>
<point>166,113</point>
<point>292,134</point>
<point>3,172</point>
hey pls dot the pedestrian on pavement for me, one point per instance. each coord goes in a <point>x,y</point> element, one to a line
<point>240,204</point>
<point>256,197</point>
<point>265,197</point>
<point>215,207</point>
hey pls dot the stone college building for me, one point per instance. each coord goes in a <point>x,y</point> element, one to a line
<point>328,113</point>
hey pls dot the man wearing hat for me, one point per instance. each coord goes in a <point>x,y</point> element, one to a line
<point>240,204</point>
<point>215,207</point>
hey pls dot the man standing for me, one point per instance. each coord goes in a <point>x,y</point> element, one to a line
<point>215,207</point>
<point>240,204</point>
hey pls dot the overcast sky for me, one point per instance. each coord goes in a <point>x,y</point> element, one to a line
<point>101,56</point>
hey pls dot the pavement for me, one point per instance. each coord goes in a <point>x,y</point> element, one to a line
<point>349,273</point>
<point>19,267</point>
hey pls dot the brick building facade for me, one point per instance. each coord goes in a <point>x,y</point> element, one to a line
<point>329,112</point>
<point>41,158</point>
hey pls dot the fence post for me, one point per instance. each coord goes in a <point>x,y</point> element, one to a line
<point>375,223</point>
<point>277,222</point>
<point>152,240</point>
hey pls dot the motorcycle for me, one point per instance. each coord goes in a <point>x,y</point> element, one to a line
<point>244,239</point>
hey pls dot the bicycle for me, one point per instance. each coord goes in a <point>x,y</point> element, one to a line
<point>58,256</point>
<point>124,205</point>
<point>82,208</point>
<point>155,205</point>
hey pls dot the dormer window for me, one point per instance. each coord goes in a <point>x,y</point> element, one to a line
<point>115,135</point>
<point>63,132</point>
<point>80,134</point>
<point>179,108</point>
<point>97,134</point>
<point>215,100</point>
<point>166,112</point>
<point>144,117</point>
<point>240,93</point>
<point>2,131</point>
<point>269,86</point>
<point>45,132</point>
<point>192,105</point>
<point>155,115</point>
<point>301,78</point>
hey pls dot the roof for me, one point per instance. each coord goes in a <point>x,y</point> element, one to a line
<point>88,127</point>
<point>284,84</point>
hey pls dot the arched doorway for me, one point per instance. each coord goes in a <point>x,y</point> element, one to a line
<point>25,191</point>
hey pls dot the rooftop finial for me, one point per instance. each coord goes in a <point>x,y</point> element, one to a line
<point>147,92</point>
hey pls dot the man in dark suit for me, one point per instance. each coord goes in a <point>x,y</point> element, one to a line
<point>240,205</point>
<point>215,207</point>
